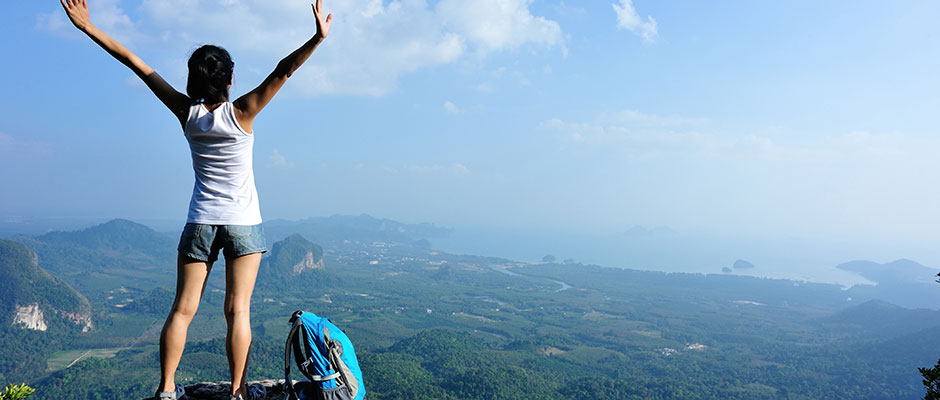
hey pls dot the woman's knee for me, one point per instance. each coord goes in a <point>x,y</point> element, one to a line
<point>185,309</point>
<point>235,311</point>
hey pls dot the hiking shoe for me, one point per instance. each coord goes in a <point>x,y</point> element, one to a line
<point>177,394</point>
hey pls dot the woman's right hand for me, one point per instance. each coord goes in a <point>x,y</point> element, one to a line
<point>323,24</point>
<point>77,11</point>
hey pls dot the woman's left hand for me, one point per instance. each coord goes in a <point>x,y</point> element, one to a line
<point>77,11</point>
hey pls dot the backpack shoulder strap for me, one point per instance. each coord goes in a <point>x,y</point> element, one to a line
<point>295,326</point>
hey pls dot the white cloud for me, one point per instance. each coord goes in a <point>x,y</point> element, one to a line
<point>498,24</point>
<point>874,145</point>
<point>371,43</point>
<point>633,117</point>
<point>628,19</point>
<point>450,170</point>
<point>451,108</point>
<point>460,169</point>
<point>455,169</point>
<point>854,147</point>
<point>485,87</point>
<point>637,142</point>
<point>13,147</point>
<point>105,14</point>
<point>55,22</point>
<point>277,160</point>
<point>642,136</point>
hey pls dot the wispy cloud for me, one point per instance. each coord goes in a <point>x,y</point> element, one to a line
<point>628,19</point>
<point>485,87</point>
<point>278,160</point>
<point>55,22</point>
<point>451,108</point>
<point>638,135</point>
<point>637,143</point>
<point>14,147</point>
<point>637,118</point>
<point>449,170</point>
<point>106,14</point>
<point>455,169</point>
<point>371,44</point>
<point>853,147</point>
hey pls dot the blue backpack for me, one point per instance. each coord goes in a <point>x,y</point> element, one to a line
<point>325,356</point>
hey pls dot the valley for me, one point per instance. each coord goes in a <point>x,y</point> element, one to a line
<point>428,324</point>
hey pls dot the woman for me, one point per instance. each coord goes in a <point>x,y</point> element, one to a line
<point>223,213</point>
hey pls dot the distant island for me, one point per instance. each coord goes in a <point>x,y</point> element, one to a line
<point>898,271</point>
<point>742,264</point>
<point>638,231</point>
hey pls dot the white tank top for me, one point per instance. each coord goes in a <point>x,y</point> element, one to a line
<point>224,193</point>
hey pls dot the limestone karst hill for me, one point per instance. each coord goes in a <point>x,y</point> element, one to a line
<point>291,262</point>
<point>38,313</point>
<point>30,297</point>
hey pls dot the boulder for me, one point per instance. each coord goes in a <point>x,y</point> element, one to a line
<point>220,390</point>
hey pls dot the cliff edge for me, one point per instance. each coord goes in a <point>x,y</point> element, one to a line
<point>220,390</point>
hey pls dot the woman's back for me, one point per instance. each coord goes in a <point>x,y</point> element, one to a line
<point>224,192</point>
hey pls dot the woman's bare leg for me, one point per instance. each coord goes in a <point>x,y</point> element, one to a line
<point>191,278</point>
<point>240,275</point>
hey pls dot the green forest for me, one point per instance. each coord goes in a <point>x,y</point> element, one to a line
<point>431,325</point>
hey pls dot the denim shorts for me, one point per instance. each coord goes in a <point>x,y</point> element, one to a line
<point>202,242</point>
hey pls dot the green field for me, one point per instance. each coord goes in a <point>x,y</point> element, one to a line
<point>63,359</point>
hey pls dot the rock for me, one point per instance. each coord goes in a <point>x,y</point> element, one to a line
<point>30,317</point>
<point>307,263</point>
<point>220,390</point>
<point>78,318</point>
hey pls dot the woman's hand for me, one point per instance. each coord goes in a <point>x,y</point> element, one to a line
<point>77,11</point>
<point>323,25</point>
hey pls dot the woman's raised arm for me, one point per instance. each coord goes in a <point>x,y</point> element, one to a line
<point>251,103</point>
<point>177,102</point>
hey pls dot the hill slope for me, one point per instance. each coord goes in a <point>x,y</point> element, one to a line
<point>29,295</point>
<point>880,319</point>
<point>107,253</point>
<point>39,312</point>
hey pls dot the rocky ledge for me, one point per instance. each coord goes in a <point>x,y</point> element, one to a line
<point>220,390</point>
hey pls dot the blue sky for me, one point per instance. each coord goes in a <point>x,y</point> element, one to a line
<point>798,118</point>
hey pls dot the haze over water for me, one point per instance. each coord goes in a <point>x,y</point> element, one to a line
<point>669,251</point>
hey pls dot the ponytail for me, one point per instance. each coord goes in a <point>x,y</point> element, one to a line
<point>210,73</point>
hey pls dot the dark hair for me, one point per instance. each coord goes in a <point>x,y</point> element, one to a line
<point>210,73</point>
